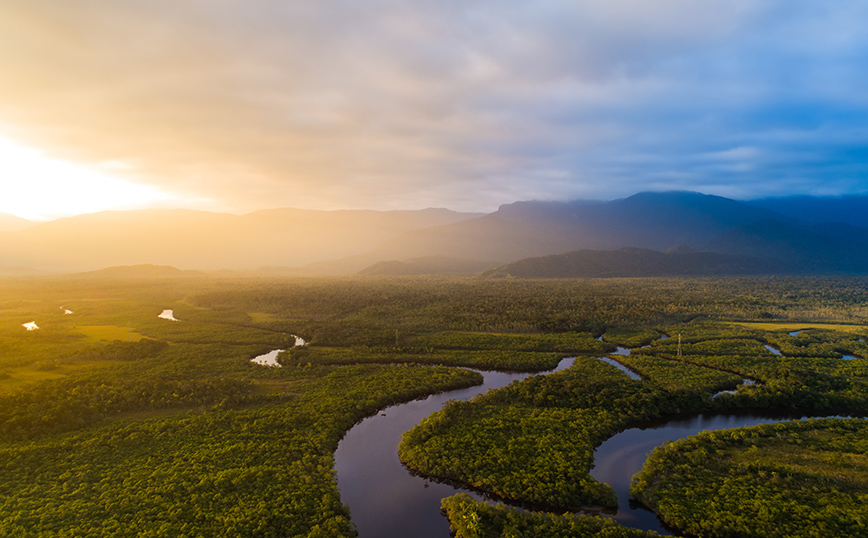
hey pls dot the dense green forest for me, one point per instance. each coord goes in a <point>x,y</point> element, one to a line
<point>798,479</point>
<point>116,422</point>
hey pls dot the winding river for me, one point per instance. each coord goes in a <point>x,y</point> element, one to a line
<point>387,501</point>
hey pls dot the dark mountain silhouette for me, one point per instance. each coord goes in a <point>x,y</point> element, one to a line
<point>801,249</point>
<point>852,210</point>
<point>427,265</point>
<point>656,221</point>
<point>634,262</point>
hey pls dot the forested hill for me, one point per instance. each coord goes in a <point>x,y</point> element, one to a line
<point>735,237</point>
<point>634,262</point>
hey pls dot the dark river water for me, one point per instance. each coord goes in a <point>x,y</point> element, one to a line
<point>624,454</point>
<point>386,501</point>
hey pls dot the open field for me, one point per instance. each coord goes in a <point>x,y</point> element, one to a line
<point>791,326</point>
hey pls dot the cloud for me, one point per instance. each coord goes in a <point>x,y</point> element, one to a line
<point>467,104</point>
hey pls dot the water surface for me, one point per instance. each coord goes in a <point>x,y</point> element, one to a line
<point>268,359</point>
<point>630,373</point>
<point>168,314</point>
<point>385,500</point>
<point>624,454</point>
<point>774,350</point>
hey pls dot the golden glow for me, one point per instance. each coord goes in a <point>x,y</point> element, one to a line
<point>37,187</point>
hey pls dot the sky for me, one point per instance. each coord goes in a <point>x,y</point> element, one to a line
<point>383,104</point>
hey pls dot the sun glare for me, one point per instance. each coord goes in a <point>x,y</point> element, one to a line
<point>37,187</point>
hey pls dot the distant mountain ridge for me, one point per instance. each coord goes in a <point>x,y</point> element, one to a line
<point>655,221</point>
<point>210,241</point>
<point>732,237</point>
<point>11,223</point>
<point>852,210</point>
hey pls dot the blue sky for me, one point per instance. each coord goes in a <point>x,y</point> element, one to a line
<point>240,105</point>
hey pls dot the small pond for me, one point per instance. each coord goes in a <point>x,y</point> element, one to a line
<point>168,314</point>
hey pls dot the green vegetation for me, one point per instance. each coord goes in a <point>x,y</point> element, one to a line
<point>533,441</point>
<point>798,479</point>
<point>114,422</point>
<point>790,326</point>
<point>471,519</point>
<point>110,333</point>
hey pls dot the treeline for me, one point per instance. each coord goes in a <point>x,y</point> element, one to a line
<point>338,311</point>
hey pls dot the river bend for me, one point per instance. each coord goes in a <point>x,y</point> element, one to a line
<point>387,501</point>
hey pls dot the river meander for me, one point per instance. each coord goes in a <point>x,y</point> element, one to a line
<point>387,501</point>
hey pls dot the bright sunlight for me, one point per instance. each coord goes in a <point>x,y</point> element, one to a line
<point>37,187</point>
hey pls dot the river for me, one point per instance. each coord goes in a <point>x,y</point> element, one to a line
<point>387,501</point>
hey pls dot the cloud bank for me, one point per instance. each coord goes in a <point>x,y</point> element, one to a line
<point>464,104</point>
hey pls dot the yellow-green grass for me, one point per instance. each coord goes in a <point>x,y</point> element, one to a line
<point>261,317</point>
<point>794,326</point>
<point>17,378</point>
<point>109,332</point>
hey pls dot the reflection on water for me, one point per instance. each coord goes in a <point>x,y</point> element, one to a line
<point>624,454</point>
<point>772,349</point>
<point>168,314</point>
<point>630,373</point>
<point>268,359</point>
<point>385,500</point>
<point>744,383</point>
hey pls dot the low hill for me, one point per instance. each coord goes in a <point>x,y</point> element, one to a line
<point>11,223</point>
<point>633,262</point>
<point>140,271</point>
<point>428,265</point>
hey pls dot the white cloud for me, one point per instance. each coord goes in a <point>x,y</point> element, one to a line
<point>460,103</point>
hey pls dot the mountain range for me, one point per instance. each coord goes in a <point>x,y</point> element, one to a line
<point>703,234</point>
